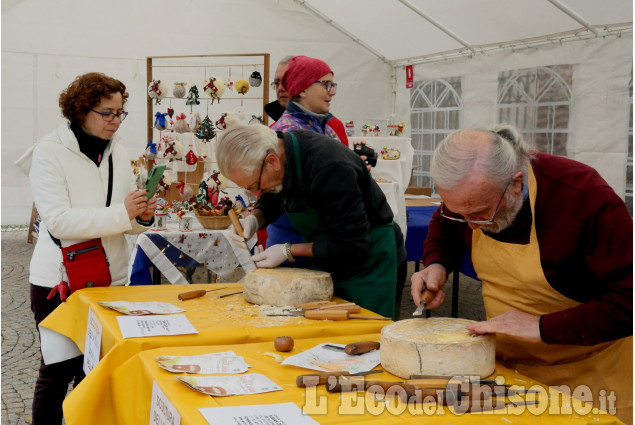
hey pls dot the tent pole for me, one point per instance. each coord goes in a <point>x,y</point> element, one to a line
<point>574,16</point>
<point>349,34</point>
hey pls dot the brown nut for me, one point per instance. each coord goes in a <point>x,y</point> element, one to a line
<point>283,343</point>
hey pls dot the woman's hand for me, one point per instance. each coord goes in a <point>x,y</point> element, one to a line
<point>148,213</point>
<point>136,204</point>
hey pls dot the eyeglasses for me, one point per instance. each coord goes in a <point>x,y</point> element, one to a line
<point>327,84</point>
<point>262,168</point>
<point>479,222</point>
<point>275,84</point>
<point>109,116</point>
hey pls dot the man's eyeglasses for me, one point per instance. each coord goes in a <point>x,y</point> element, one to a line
<point>328,84</point>
<point>275,84</point>
<point>262,168</point>
<point>478,222</point>
<point>109,116</point>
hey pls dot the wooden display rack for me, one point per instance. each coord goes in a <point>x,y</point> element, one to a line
<point>264,62</point>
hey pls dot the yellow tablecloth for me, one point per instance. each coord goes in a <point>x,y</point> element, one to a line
<point>229,320</point>
<point>131,389</point>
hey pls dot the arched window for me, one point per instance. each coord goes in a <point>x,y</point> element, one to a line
<point>537,101</point>
<point>435,107</point>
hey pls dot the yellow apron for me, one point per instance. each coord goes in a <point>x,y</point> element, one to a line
<point>513,278</point>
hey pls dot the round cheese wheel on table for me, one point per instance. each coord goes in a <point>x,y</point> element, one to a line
<point>436,346</point>
<point>287,286</point>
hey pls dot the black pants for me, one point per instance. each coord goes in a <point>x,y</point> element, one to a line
<point>402,273</point>
<point>52,382</point>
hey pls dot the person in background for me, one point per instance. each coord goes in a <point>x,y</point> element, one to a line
<point>276,108</point>
<point>69,171</point>
<point>348,229</point>
<point>553,246</point>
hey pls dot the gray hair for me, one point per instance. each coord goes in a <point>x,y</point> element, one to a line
<point>457,158</point>
<point>243,147</point>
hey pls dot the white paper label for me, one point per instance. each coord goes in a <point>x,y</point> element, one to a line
<point>162,411</point>
<point>263,414</point>
<point>92,344</point>
<point>140,326</point>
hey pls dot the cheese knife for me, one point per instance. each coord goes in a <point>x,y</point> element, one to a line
<point>314,379</point>
<point>426,297</point>
<point>247,265</point>
<point>354,348</point>
<point>196,294</point>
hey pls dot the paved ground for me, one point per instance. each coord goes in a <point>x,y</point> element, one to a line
<point>20,344</point>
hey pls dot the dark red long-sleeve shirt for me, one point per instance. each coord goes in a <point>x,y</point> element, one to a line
<point>585,235</point>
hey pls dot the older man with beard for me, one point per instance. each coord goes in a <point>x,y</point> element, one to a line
<point>552,244</point>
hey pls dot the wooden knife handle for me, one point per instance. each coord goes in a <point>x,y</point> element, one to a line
<point>361,347</point>
<point>412,394</point>
<point>314,304</point>
<point>427,296</point>
<point>326,314</point>
<point>350,307</point>
<point>359,316</point>
<point>192,294</point>
<point>314,379</point>
<point>236,223</point>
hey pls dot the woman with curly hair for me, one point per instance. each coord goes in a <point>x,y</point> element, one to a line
<point>83,189</point>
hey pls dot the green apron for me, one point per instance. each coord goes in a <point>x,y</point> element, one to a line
<point>374,284</point>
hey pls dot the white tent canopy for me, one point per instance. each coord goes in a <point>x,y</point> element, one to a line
<point>45,45</point>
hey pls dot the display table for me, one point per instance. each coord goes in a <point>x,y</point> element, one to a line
<point>229,320</point>
<point>397,171</point>
<point>129,395</point>
<point>171,248</point>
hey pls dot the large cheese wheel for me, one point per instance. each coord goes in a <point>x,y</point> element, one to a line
<point>287,286</point>
<point>436,346</point>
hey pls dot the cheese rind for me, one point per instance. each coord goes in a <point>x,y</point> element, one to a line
<point>436,346</point>
<point>287,286</point>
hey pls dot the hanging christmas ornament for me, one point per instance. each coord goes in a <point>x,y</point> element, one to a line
<point>181,125</point>
<point>157,90</point>
<point>205,131</point>
<point>192,96</point>
<point>216,181</point>
<point>255,79</point>
<point>190,156</point>
<point>195,122</point>
<point>256,119</point>
<point>170,112</point>
<point>185,191</point>
<point>159,121</point>
<point>229,83</point>
<point>203,194</point>
<point>164,183</point>
<point>178,147</point>
<point>242,86</point>
<point>179,90</point>
<point>241,112</point>
<point>170,151</point>
<point>214,87</point>
<point>226,120</point>
<point>151,151</point>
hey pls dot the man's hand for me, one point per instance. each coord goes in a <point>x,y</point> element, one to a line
<point>514,323</point>
<point>249,225</point>
<point>269,258</point>
<point>432,278</point>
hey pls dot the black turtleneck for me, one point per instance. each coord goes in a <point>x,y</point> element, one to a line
<point>91,146</point>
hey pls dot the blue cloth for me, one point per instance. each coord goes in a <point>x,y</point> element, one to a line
<point>418,219</point>
<point>140,273</point>
<point>282,231</point>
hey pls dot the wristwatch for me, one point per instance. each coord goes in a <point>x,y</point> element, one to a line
<point>287,252</point>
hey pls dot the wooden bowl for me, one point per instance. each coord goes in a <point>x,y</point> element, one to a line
<point>214,222</point>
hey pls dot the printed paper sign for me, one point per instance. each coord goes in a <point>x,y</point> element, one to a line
<point>92,344</point>
<point>141,308</point>
<point>225,362</point>
<point>221,386</point>
<point>140,326</point>
<point>264,414</point>
<point>318,358</point>
<point>162,411</point>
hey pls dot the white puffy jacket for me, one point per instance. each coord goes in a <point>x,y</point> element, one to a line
<point>70,195</point>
